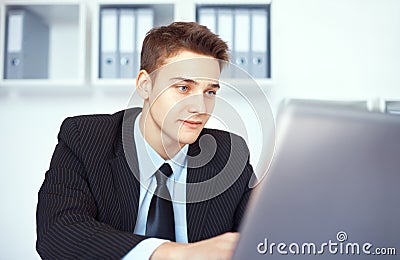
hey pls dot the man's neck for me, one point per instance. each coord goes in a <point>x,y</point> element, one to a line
<point>165,147</point>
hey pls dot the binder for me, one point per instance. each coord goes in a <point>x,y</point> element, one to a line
<point>258,64</point>
<point>108,43</point>
<point>225,32</point>
<point>126,43</point>
<point>27,46</point>
<point>144,24</point>
<point>241,52</point>
<point>207,17</point>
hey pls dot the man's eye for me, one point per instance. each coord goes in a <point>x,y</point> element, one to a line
<point>182,88</point>
<point>211,92</point>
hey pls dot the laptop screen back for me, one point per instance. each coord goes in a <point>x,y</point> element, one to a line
<point>332,191</point>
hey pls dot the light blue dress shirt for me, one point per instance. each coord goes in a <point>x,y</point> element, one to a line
<point>149,162</point>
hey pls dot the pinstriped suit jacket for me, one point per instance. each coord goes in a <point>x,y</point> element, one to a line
<point>88,202</point>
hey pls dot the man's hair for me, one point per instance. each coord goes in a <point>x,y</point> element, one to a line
<point>167,41</point>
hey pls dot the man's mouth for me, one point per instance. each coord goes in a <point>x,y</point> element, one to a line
<point>193,124</point>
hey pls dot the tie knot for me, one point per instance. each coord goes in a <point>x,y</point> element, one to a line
<point>163,173</point>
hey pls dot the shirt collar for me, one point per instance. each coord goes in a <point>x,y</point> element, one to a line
<point>150,161</point>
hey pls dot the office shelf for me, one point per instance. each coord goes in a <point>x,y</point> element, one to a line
<point>74,34</point>
<point>162,14</point>
<point>66,23</point>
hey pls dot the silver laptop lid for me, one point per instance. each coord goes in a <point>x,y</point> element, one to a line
<point>332,191</point>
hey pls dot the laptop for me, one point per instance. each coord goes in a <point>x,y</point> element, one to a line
<point>333,188</point>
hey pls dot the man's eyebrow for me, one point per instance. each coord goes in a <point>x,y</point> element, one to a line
<point>177,79</point>
<point>215,85</point>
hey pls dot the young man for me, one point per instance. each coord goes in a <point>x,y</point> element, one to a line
<point>97,197</point>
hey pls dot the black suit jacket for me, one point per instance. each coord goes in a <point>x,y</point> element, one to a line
<point>88,202</point>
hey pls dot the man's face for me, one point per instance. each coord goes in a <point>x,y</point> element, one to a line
<point>182,97</point>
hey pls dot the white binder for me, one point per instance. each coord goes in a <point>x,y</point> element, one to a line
<point>145,20</point>
<point>126,43</point>
<point>259,44</point>
<point>27,50</point>
<point>225,32</point>
<point>108,43</point>
<point>241,52</point>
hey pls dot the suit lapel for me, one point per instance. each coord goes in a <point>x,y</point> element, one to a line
<point>126,172</point>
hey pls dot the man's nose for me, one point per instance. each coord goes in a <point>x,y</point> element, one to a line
<point>197,104</point>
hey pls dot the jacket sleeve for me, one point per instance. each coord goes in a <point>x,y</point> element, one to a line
<point>66,210</point>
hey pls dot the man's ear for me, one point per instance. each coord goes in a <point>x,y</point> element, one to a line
<point>143,84</point>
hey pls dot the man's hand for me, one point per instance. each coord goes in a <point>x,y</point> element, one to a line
<point>219,247</point>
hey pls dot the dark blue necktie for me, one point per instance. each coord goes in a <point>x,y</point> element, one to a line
<point>160,219</point>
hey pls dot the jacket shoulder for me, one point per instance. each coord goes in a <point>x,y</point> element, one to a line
<point>93,132</point>
<point>224,137</point>
<point>97,122</point>
<point>89,125</point>
<point>227,143</point>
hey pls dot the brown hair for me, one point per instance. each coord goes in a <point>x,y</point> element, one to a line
<point>166,41</point>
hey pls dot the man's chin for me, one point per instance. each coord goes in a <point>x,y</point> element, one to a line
<point>188,138</point>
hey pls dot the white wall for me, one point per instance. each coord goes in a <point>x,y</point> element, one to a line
<point>341,49</point>
<point>29,126</point>
<point>331,49</point>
